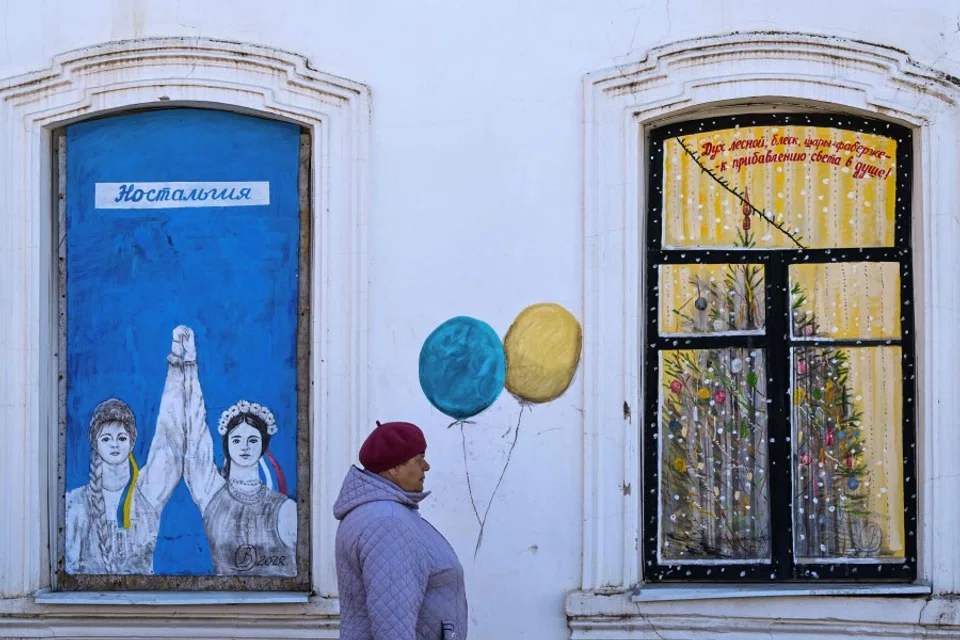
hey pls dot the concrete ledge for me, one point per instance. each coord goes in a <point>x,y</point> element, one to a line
<point>181,616</point>
<point>670,592</point>
<point>746,612</point>
<point>167,598</point>
<point>179,629</point>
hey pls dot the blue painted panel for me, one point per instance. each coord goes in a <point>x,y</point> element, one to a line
<point>228,272</point>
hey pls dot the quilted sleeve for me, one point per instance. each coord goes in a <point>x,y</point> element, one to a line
<point>395,578</point>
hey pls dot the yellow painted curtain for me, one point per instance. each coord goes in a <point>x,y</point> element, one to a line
<point>826,187</point>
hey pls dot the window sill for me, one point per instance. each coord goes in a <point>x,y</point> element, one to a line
<point>672,592</point>
<point>901,612</point>
<point>167,598</point>
<point>197,615</point>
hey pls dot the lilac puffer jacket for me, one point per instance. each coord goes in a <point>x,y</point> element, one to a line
<point>399,579</point>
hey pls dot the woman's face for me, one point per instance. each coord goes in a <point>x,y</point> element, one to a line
<point>410,475</point>
<point>114,443</point>
<point>245,446</point>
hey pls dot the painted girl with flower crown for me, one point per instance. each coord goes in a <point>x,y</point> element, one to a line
<point>251,527</point>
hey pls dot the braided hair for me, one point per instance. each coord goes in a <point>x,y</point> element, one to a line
<point>110,411</point>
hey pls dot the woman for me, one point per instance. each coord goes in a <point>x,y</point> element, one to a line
<point>398,577</point>
<point>113,521</point>
<point>251,529</point>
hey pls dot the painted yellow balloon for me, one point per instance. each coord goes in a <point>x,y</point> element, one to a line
<point>543,350</point>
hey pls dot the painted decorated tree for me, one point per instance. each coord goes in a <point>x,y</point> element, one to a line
<point>831,510</point>
<point>714,420</point>
<point>714,424</point>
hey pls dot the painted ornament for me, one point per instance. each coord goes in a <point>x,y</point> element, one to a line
<point>746,210</point>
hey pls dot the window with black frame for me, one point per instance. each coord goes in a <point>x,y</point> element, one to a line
<point>779,351</point>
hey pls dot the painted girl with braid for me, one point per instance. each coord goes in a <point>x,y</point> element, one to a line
<point>113,521</point>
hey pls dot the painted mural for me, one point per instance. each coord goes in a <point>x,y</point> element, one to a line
<point>820,192</point>
<point>182,235</point>
<point>465,366</point>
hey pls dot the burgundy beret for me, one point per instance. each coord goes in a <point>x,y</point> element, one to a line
<point>391,444</point>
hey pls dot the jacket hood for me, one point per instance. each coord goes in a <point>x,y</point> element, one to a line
<point>361,487</point>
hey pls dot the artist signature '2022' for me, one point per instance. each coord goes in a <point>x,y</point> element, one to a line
<point>247,558</point>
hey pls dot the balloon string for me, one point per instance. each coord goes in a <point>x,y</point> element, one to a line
<point>466,469</point>
<point>483,522</point>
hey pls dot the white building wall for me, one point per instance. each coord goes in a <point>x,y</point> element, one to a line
<point>476,156</point>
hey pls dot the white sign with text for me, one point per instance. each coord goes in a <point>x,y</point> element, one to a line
<point>179,195</point>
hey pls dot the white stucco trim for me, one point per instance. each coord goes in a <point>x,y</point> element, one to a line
<point>749,72</point>
<point>182,71</point>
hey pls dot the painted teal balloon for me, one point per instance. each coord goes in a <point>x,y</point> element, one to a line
<point>462,367</point>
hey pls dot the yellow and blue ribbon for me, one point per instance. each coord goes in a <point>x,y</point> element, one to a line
<point>126,500</point>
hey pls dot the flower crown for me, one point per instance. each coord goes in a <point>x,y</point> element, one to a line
<point>248,408</point>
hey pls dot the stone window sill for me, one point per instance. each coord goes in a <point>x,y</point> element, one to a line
<point>746,611</point>
<point>675,592</point>
<point>167,598</point>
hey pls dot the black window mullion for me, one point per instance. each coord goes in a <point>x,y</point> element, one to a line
<point>710,256</point>
<point>909,390</point>
<point>848,254</point>
<point>761,256</point>
<point>778,416</point>
<point>827,343</point>
<point>650,528</point>
<point>707,341</point>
